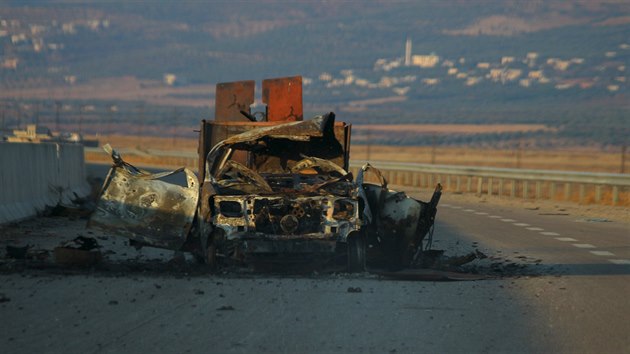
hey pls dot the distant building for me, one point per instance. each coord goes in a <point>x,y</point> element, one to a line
<point>524,82</point>
<point>483,65</point>
<point>530,59</point>
<point>10,63</point>
<point>564,86</point>
<point>613,88</point>
<point>325,77</point>
<point>452,71</point>
<point>558,64</point>
<point>68,28</point>
<point>610,54</point>
<point>169,79</point>
<point>471,81</point>
<point>18,38</point>
<point>431,81</point>
<point>70,79</point>
<point>507,60</point>
<point>425,61</point>
<point>32,133</point>
<point>577,60</point>
<point>401,91</point>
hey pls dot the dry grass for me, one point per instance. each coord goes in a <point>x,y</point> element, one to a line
<point>587,160</point>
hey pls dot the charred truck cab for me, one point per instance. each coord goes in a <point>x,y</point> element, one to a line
<point>276,187</point>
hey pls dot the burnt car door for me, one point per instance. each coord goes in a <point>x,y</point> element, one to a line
<point>395,225</point>
<point>141,206</point>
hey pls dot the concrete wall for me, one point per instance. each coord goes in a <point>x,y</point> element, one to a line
<point>36,176</point>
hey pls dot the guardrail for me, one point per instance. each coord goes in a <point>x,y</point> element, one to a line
<point>581,187</point>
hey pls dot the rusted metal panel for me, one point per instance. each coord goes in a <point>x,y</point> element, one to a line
<point>283,97</point>
<point>137,205</point>
<point>233,97</point>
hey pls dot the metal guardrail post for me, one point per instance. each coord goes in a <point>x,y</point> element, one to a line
<point>598,193</point>
<point>525,189</point>
<point>567,191</point>
<point>479,185</point>
<point>513,189</point>
<point>490,186</point>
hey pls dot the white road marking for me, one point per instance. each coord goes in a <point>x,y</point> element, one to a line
<point>481,213</point>
<point>565,239</point>
<point>495,216</point>
<point>534,229</point>
<point>602,253</point>
<point>456,207</point>
<point>619,261</point>
<point>508,220</point>
<point>469,210</point>
<point>550,233</point>
<point>520,224</point>
<point>583,245</point>
<point>447,205</point>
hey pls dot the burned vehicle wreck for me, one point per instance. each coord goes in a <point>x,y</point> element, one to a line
<point>274,189</point>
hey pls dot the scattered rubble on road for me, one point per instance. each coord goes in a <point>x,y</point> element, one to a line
<point>119,259</point>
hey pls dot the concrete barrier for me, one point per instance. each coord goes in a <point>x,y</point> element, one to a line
<point>36,176</point>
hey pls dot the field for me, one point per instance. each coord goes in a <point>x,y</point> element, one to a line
<point>585,159</point>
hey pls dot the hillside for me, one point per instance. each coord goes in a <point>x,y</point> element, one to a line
<point>559,63</point>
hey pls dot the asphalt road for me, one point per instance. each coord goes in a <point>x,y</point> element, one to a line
<point>574,298</point>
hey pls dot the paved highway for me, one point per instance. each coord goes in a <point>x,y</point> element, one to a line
<point>575,299</point>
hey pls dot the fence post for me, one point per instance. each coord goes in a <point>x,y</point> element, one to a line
<point>500,187</point>
<point>582,193</point>
<point>490,186</point>
<point>513,189</point>
<point>615,195</point>
<point>525,189</point>
<point>538,190</point>
<point>598,193</point>
<point>567,191</point>
<point>479,185</point>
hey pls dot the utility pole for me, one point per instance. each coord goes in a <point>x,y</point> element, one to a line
<point>519,152</point>
<point>19,115</point>
<point>36,117</point>
<point>623,158</point>
<point>57,109</point>
<point>433,148</point>
<point>141,118</point>
<point>175,118</point>
<point>81,119</point>
<point>369,143</point>
<point>3,121</point>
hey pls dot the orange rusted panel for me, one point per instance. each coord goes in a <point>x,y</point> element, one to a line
<point>231,98</point>
<point>283,97</point>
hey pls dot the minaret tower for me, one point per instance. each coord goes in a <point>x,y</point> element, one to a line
<point>408,52</point>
